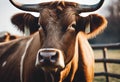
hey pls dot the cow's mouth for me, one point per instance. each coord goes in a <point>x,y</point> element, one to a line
<point>50,66</point>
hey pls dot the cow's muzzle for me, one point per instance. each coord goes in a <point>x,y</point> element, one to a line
<point>50,59</point>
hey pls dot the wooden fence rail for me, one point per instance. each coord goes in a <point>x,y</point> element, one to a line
<point>105,60</point>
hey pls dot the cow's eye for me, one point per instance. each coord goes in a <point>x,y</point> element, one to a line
<point>72,26</point>
<point>39,26</point>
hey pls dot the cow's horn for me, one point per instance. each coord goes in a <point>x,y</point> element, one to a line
<point>89,8</point>
<point>26,7</point>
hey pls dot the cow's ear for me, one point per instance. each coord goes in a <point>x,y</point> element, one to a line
<point>92,25</point>
<point>18,20</point>
<point>22,20</point>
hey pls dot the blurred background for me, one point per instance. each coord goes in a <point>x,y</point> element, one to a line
<point>110,9</point>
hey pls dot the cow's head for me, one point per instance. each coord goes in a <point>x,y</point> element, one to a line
<point>60,23</point>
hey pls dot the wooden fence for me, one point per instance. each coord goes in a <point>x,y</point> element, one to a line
<point>105,60</point>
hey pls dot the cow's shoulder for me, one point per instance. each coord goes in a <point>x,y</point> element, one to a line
<point>13,46</point>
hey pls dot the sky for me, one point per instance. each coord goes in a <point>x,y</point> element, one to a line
<point>8,10</point>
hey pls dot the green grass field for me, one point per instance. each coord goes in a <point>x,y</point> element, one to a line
<point>112,68</point>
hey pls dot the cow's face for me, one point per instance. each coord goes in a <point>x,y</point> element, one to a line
<point>58,38</point>
<point>60,22</point>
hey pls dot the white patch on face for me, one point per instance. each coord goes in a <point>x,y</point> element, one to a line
<point>87,29</point>
<point>60,61</point>
<point>22,59</point>
<point>4,63</point>
<point>27,31</point>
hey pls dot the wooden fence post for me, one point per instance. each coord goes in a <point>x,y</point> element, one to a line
<point>105,63</point>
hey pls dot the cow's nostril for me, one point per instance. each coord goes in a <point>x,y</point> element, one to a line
<point>54,57</point>
<point>40,56</point>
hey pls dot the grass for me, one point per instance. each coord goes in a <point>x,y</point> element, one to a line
<point>112,68</point>
<point>99,79</point>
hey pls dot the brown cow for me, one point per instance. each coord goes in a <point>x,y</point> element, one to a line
<point>6,36</point>
<point>59,51</point>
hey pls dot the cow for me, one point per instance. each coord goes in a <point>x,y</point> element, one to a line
<point>6,36</point>
<point>59,51</point>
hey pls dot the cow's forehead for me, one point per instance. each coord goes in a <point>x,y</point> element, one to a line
<point>54,4</point>
<point>59,9</point>
<point>62,16</point>
<point>59,6</point>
